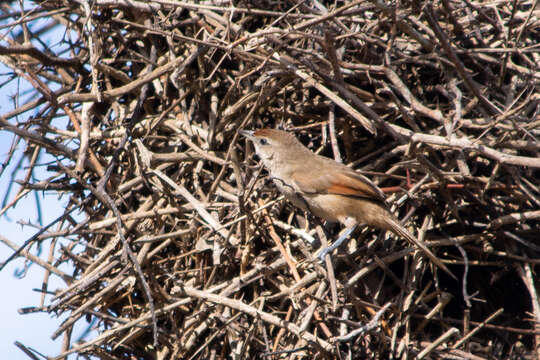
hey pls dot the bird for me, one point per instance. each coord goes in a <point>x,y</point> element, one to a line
<point>326,188</point>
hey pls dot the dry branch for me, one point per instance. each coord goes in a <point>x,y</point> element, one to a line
<point>172,234</point>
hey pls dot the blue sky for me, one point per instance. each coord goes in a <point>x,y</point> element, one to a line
<point>33,330</point>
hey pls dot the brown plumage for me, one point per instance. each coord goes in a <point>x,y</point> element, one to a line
<point>326,188</point>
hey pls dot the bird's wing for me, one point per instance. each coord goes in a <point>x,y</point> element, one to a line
<point>340,181</point>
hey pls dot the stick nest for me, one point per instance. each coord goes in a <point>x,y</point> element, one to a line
<point>177,244</point>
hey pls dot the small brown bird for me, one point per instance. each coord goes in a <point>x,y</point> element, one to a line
<point>326,188</point>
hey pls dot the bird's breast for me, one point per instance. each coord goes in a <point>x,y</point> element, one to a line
<point>290,194</point>
<point>338,208</point>
<point>320,205</point>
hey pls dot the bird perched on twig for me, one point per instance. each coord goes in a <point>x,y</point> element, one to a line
<point>326,188</point>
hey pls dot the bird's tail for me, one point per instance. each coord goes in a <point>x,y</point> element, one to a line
<point>393,225</point>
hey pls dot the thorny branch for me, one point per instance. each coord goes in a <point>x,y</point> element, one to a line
<point>129,111</point>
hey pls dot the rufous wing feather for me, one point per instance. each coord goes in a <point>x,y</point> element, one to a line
<point>346,183</point>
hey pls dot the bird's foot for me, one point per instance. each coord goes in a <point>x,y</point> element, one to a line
<point>323,253</point>
<point>327,250</point>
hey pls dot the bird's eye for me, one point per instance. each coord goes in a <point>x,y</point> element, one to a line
<point>263,141</point>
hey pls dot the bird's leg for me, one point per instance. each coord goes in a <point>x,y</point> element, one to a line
<point>336,243</point>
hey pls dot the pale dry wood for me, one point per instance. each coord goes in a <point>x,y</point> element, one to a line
<point>450,88</point>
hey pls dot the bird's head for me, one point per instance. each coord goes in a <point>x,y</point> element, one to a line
<point>273,145</point>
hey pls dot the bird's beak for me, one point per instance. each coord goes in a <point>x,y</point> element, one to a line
<point>247,133</point>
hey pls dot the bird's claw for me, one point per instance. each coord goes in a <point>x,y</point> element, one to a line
<point>336,244</point>
<point>323,253</point>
